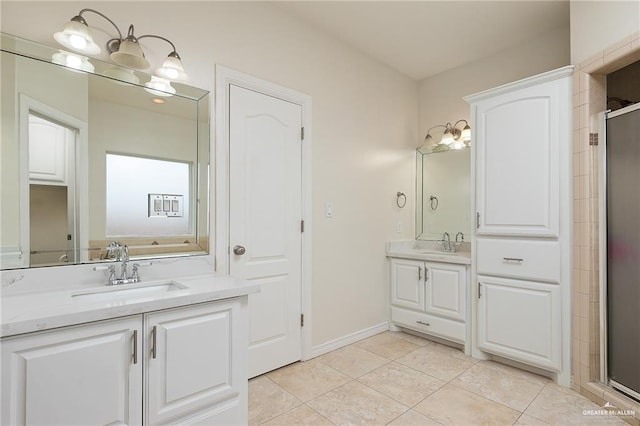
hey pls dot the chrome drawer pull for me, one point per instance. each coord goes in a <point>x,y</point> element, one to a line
<point>423,323</point>
<point>512,259</point>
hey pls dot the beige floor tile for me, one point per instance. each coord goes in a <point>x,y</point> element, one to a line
<point>402,383</point>
<point>302,415</point>
<point>438,360</point>
<point>353,361</point>
<point>500,383</point>
<point>454,406</point>
<point>268,400</point>
<point>389,345</point>
<point>530,421</point>
<point>355,403</point>
<point>413,418</point>
<point>309,379</point>
<point>420,341</point>
<point>558,405</point>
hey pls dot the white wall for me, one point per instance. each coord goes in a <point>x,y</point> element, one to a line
<point>364,124</point>
<point>596,25</point>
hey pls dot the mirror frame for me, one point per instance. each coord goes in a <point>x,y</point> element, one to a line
<point>201,169</point>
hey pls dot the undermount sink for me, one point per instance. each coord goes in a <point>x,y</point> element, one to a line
<point>123,291</point>
<point>437,252</point>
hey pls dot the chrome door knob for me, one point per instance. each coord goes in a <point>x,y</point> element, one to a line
<point>239,250</point>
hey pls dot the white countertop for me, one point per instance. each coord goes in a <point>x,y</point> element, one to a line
<point>51,309</point>
<point>426,250</point>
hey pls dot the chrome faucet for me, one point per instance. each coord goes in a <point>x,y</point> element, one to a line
<point>446,242</point>
<point>122,255</point>
<point>461,237</point>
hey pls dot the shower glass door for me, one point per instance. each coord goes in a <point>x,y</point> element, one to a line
<point>623,248</point>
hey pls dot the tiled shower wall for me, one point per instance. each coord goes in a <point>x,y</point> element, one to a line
<point>589,98</point>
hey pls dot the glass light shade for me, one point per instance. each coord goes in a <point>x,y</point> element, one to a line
<point>122,74</point>
<point>75,36</point>
<point>73,61</point>
<point>130,55</point>
<point>172,69</point>
<point>447,138</point>
<point>466,133</point>
<point>159,86</point>
<point>459,144</point>
<point>428,140</point>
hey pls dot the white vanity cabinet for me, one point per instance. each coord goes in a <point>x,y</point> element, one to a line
<point>429,297</point>
<point>184,365</point>
<point>522,162</point>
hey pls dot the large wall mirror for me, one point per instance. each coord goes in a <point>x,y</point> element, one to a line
<point>88,159</point>
<point>443,193</point>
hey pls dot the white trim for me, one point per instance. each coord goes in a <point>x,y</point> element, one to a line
<point>81,172</point>
<point>623,111</point>
<point>225,77</point>
<point>346,340</point>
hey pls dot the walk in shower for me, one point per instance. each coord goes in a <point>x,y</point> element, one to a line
<point>620,257</point>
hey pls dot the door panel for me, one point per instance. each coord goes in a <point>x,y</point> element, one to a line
<point>520,320</point>
<point>193,368</point>
<point>445,290</point>
<point>407,283</point>
<point>75,376</point>
<point>517,163</point>
<point>265,212</point>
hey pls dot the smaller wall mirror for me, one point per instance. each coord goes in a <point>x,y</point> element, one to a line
<point>443,196</point>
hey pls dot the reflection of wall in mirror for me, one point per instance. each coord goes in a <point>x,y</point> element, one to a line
<point>130,182</point>
<point>123,129</point>
<point>446,176</point>
<point>48,224</point>
<point>32,78</point>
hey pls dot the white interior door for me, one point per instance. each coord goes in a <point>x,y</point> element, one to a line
<point>265,215</point>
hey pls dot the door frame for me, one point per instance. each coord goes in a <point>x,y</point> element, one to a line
<point>224,78</point>
<point>80,170</point>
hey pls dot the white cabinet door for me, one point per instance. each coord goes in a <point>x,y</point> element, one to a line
<point>194,361</point>
<point>517,141</point>
<point>520,320</point>
<point>445,290</point>
<point>84,375</point>
<point>407,283</point>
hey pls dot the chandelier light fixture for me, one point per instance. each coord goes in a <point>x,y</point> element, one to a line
<point>452,137</point>
<point>124,51</point>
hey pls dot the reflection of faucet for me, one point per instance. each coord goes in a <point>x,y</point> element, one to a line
<point>446,242</point>
<point>125,259</point>
<point>461,239</point>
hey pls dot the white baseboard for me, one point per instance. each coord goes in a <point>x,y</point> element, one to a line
<point>346,340</point>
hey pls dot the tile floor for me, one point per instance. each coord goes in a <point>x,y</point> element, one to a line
<point>398,379</point>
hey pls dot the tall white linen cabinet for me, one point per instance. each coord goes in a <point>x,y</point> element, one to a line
<point>521,269</point>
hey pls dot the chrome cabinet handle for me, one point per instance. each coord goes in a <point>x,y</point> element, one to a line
<point>426,273</point>
<point>419,273</point>
<point>512,259</point>
<point>239,250</point>
<point>135,346</point>
<point>423,323</point>
<point>154,332</point>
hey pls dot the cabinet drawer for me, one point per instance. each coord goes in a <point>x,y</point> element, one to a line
<point>531,259</point>
<point>429,324</point>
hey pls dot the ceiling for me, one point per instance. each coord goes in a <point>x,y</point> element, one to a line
<point>424,38</point>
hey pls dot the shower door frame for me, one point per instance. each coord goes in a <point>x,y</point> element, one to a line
<point>601,126</point>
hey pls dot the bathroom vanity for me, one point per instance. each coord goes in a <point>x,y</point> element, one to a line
<point>151,353</point>
<point>429,290</point>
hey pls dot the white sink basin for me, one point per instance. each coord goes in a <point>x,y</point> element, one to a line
<point>128,291</point>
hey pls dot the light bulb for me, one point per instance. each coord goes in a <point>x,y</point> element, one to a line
<point>77,41</point>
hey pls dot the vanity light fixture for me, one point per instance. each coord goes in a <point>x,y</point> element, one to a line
<point>452,137</point>
<point>124,51</point>
<point>71,60</point>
